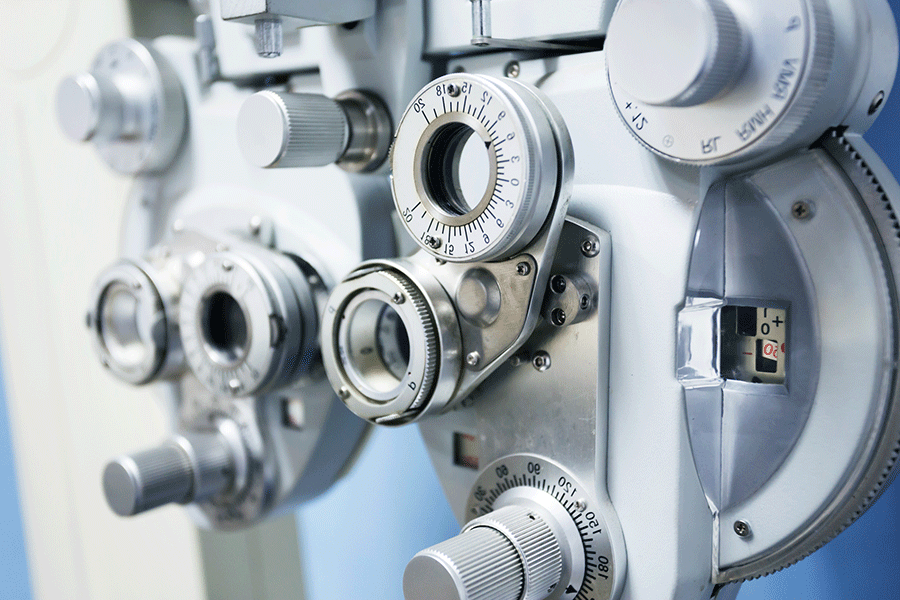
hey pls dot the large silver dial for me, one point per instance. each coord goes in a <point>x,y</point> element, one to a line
<point>784,357</point>
<point>711,80</point>
<point>505,139</point>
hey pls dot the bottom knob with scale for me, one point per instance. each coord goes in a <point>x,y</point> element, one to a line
<point>536,534</point>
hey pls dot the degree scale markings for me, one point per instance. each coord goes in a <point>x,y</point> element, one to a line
<point>426,171</point>
<point>524,470</point>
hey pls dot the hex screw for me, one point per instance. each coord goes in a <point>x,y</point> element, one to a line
<point>541,361</point>
<point>513,69</point>
<point>558,317</point>
<point>802,210</point>
<point>590,247</point>
<point>585,302</point>
<point>523,269</point>
<point>558,284</point>
<point>742,528</point>
<point>472,359</point>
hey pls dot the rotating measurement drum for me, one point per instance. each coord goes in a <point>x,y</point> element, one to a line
<point>463,131</point>
<point>535,533</point>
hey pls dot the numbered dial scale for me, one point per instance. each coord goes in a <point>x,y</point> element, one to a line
<point>476,166</point>
<point>589,573</point>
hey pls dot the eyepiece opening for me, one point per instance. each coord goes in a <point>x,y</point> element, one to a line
<point>223,325</point>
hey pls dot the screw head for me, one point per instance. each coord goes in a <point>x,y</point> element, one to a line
<point>523,269</point>
<point>541,361</point>
<point>581,505</point>
<point>473,358</point>
<point>513,69</point>
<point>742,528</point>
<point>877,101</point>
<point>585,302</point>
<point>558,284</point>
<point>517,360</point>
<point>432,242</point>
<point>590,247</point>
<point>453,89</point>
<point>558,317</point>
<point>343,393</point>
<point>398,298</point>
<point>802,210</point>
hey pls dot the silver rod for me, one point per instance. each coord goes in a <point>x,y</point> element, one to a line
<point>481,22</point>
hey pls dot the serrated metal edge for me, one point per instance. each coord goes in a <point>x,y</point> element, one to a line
<point>431,346</point>
<point>879,209</point>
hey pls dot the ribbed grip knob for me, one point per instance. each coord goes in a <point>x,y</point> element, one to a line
<point>189,468</point>
<point>281,129</point>
<point>674,53</point>
<point>508,554</point>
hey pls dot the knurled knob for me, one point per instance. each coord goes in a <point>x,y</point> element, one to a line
<point>508,554</point>
<point>188,468</point>
<point>281,129</point>
<point>674,53</point>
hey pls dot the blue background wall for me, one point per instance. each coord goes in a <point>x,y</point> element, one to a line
<point>14,583</point>
<point>393,486</point>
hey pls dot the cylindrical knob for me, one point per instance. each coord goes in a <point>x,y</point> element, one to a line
<point>189,468</point>
<point>88,106</point>
<point>508,554</point>
<point>280,129</point>
<point>130,104</point>
<point>674,53</point>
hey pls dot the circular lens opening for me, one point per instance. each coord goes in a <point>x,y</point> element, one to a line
<point>223,325</point>
<point>378,346</point>
<point>119,327</point>
<point>457,169</point>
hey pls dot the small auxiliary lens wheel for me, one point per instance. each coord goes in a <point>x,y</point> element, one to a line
<point>128,323</point>
<point>244,321</point>
<point>476,166</point>
<point>380,345</point>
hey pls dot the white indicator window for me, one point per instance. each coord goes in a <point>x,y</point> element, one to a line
<point>753,344</point>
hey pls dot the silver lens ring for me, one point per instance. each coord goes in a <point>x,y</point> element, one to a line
<point>382,345</point>
<point>464,127</point>
<point>245,322</point>
<point>128,323</point>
